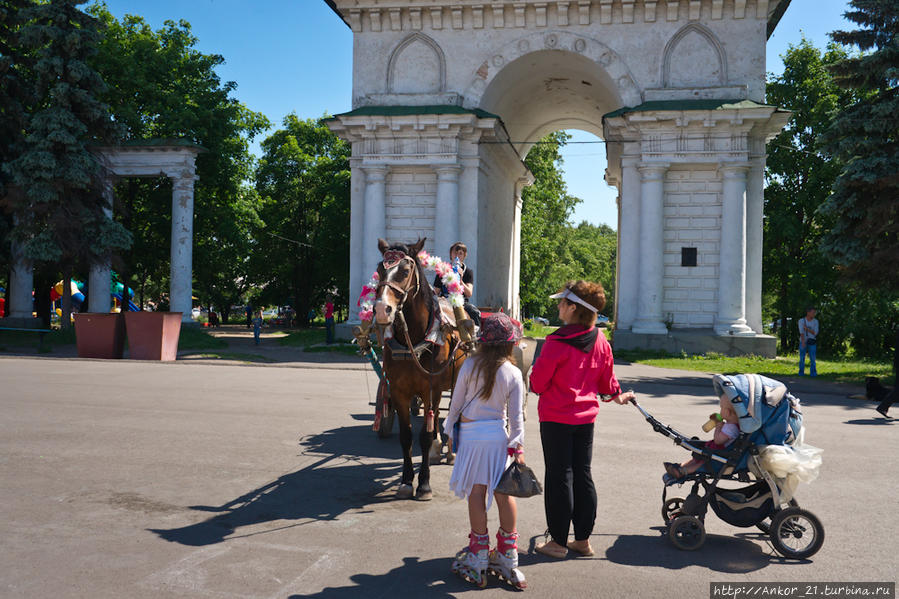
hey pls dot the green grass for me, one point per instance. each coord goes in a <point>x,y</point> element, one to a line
<point>303,337</point>
<point>20,339</point>
<point>193,337</point>
<point>538,331</point>
<point>844,371</point>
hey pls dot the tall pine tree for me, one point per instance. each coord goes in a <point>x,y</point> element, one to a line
<point>60,214</point>
<point>865,137</point>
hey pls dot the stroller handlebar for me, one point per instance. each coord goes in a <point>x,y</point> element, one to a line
<point>678,438</point>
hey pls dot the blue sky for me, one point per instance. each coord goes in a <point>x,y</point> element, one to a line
<point>296,56</point>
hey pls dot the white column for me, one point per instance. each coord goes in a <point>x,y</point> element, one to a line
<point>99,281</point>
<point>649,300</point>
<point>21,285</point>
<point>755,209</point>
<point>357,227</point>
<point>181,278</point>
<point>628,245</point>
<point>375,215</point>
<point>446,210</point>
<point>731,318</point>
<point>515,295</point>
<point>468,217</point>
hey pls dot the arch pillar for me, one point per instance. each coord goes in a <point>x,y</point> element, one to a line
<point>649,297</point>
<point>446,210</point>
<point>21,283</point>
<point>375,220</point>
<point>731,317</point>
<point>100,274</point>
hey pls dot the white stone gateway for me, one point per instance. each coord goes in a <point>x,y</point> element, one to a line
<point>174,159</point>
<point>448,98</point>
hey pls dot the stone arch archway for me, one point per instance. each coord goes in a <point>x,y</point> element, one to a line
<point>676,90</point>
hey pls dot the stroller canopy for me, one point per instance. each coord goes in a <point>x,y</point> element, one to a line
<point>763,405</point>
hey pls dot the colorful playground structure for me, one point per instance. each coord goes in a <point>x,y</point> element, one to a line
<point>77,288</point>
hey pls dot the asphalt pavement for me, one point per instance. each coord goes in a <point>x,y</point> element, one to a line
<point>140,479</point>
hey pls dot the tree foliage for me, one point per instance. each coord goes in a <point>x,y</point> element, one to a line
<point>162,87</point>
<point>60,213</point>
<point>865,138</point>
<point>799,177</point>
<point>301,254</point>
<point>554,251</point>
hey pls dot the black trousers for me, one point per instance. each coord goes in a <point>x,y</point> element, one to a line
<point>891,398</point>
<point>569,496</point>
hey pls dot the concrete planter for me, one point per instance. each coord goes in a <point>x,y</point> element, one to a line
<point>153,335</point>
<point>99,335</point>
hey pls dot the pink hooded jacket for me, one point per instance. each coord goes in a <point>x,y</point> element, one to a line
<point>575,365</point>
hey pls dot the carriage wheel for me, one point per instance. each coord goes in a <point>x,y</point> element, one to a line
<point>386,427</point>
<point>687,533</point>
<point>796,533</point>
<point>765,525</point>
<point>672,508</point>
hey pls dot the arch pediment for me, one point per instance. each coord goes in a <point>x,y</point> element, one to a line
<point>416,66</point>
<point>694,57</point>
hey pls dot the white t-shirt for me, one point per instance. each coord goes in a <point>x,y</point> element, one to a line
<point>808,327</point>
<point>507,399</point>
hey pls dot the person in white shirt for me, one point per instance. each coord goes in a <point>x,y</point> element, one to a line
<point>487,401</point>
<point>808,341</point>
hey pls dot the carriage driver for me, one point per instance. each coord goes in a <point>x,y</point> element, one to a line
<point>457,254</point>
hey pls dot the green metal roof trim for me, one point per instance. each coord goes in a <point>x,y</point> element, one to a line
<point>688,105</point>
<point>162,141</point>
<point>412,110</point>
<point>779,11</point>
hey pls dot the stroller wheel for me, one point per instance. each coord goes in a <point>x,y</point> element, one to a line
<point>765,525</point>
<point>796,533</point>
<point>672,508</point>
<point>687,533</point>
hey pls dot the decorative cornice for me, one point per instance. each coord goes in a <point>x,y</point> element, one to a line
<point>372,16</point>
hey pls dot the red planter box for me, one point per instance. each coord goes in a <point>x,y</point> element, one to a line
<point>153,335</point>
<point>99,335</point>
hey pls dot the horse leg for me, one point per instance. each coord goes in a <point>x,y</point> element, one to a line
<point>405,425</point>
<point>428,440</point>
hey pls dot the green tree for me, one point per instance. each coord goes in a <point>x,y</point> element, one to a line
<point>594,249</point>
<point>799,178</point>
<point>60,214</point>
<point>302,253</point>
<point>162,87</point>
<point>865,137</point>
<point>545,210</point>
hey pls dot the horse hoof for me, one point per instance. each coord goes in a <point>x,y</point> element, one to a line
<point>424,495</point>
<point>450,459</point>
<point>404,492</point>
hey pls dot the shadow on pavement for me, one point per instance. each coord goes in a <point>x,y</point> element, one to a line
<point>430,578</point>
<point>340,480</point>
<point>719,553</point>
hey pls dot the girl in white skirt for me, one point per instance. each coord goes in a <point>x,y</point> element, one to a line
<point>487,402</point>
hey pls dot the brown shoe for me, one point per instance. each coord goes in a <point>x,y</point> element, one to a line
<point>582,547</point>
<point>552,549</point>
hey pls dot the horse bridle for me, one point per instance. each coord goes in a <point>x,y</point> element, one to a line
<point>403,292</point>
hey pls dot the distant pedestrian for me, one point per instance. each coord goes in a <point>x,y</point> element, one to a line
<point>893,396</point>
<point>257,326</point>
<point>808,341</point>
<point>249,315</point>
<point>329,322</point>
<point>213,319</point>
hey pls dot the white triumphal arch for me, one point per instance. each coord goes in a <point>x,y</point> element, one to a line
<point>449,96</point>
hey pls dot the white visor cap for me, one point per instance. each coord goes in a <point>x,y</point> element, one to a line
<point>567,294</point>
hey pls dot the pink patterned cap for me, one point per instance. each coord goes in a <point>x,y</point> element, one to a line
<point>499,328</point>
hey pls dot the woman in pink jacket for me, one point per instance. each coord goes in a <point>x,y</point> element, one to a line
<point>575,367</point>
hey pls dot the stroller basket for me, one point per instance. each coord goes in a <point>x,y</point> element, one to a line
<point>743,507</point>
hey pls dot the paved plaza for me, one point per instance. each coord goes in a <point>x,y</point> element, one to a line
<point>134,479</point>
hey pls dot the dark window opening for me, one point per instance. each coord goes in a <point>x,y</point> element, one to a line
<point>688,256</point>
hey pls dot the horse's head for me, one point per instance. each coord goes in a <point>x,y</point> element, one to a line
<point>399,278</point>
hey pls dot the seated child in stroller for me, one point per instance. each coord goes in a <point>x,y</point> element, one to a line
<point>727,429</point>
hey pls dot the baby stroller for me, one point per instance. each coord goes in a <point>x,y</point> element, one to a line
<point>768,457</point>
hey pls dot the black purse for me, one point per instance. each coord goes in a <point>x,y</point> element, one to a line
<point>519,481</point>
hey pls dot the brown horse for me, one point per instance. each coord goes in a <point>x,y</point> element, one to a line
<point>405,303</point>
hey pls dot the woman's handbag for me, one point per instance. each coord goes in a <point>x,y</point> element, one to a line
<point>519,481</point>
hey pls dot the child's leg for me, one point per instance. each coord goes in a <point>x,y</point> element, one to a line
<point>477,509</point>
<point>508,511</point>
